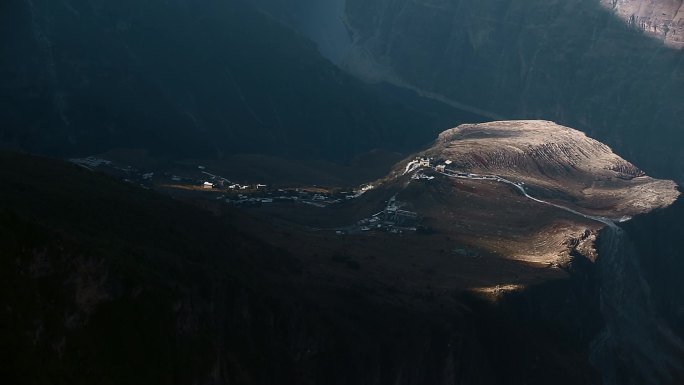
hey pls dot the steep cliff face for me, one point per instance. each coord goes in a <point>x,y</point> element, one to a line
<point>662,19</point>
<point>574,62</point>
<point>640,295</point>
<point>160,292</point>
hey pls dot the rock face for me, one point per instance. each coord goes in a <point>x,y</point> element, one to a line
<point>663,19</point>
<point>653,324</point>
<point>321,21</point>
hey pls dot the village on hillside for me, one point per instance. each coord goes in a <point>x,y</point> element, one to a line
<point>197,180</point>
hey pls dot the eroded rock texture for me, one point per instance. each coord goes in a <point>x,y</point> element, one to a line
<point>663,19</point>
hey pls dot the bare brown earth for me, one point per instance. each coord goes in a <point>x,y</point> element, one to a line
<point>558,163</point>
<point>487,215</point>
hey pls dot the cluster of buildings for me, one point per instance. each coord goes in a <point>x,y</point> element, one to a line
<point>230,186</point>
<point>90,162</point>
<point>426,162</point>
<point>213,181</point>
<point>439,166</point>
<point>259,197</point>
<point>393,219</point>
<point>126,173</point>
<point>258,194</point>
<point>245,200</point>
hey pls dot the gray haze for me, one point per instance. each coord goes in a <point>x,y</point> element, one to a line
<point>324,24</point>
<point>321,21</point>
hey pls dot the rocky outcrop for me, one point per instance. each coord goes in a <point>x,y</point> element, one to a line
<point>636,345</point>
<point>662,19</point>
<point>557,158</point>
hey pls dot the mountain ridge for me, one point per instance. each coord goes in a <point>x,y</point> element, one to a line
<point>182,80</point>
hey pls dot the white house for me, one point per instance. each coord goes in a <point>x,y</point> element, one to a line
<point>424,162</point>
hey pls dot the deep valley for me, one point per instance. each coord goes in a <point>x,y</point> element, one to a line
<point>341,192</point>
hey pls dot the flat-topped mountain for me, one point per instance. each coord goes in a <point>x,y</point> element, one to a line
<point>531,191</point>
<point>557,162</point>
<point>524,190</point>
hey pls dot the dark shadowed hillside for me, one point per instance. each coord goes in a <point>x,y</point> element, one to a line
<point>639,273</point>
<point>657,239</point>
<point>106,283</point>
<point>190,79</point>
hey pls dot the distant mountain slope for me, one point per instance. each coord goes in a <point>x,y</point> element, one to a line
<point>320,21</point>
<point>192,79</point>
<point>570,61</point>
<point>663,19</point>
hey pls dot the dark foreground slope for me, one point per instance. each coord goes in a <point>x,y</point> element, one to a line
<point>182,79</point>
<point>658,239</point>
<point>640,274</point>
<point>102,282</point>
<point>105,283</point>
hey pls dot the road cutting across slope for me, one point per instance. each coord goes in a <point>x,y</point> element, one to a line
<point>520,187</point>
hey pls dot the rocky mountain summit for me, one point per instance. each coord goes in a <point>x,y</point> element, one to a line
<point>663,19</point>
<point>525,190</point>
<point>557,159</point>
